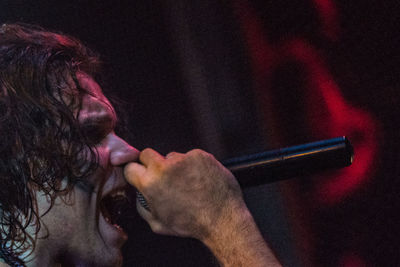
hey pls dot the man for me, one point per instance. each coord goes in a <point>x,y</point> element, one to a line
<point>63,168</point>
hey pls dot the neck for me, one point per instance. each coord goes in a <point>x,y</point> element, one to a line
<point>42,259</point>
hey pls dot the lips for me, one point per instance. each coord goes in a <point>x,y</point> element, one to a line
<point>114,207</point>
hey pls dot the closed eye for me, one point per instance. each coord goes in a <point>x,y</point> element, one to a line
<point>96,128</point>
<point>95,133</point>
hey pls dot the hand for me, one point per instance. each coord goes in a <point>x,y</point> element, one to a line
<point>188,194</point>
<point>193,195</point>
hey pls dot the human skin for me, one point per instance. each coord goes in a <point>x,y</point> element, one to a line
<point>74,232</point>
<point>193,195</point>
<point>190,195</point>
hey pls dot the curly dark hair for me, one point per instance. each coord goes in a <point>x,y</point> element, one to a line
<point>41,141</point>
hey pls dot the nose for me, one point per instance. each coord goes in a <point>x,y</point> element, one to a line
<point>121,152</point>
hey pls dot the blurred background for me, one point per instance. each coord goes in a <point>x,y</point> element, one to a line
<point>242,76</point>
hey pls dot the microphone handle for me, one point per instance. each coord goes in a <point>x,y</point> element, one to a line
<point>276,165</point>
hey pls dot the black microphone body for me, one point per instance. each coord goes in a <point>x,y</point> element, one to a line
<point>275,165</point>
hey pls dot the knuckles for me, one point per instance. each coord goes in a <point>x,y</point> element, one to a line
<point>198,154</point>
<point>191,159</point>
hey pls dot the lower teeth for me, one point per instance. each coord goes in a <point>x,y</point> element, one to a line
<point>108,220</point>
<point>117,226</point>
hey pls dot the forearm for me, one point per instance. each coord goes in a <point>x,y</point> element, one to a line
<point>236,241</point>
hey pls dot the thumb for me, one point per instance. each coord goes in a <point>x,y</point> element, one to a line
<point>135,174</point>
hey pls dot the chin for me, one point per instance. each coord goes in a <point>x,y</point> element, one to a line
<point>112,263</point>
<point>116,262</point>
<point>111,258</point>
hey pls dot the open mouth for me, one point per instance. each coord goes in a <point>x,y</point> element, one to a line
<point>115,207</point>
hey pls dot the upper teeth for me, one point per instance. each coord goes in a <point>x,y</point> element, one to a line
<point>121,193</point>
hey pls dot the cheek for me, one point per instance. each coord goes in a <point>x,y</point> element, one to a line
<point>96,179</point>
<point>61,219</point>
<point>103,156</point>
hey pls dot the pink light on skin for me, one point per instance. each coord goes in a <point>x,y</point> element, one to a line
<point>328,14</point>
<point>328,113</point>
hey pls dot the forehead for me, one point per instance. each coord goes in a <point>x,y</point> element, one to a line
<point>94,104</point>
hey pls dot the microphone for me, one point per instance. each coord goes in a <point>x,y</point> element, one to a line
<point>281,164</point>
<point>276,165</point>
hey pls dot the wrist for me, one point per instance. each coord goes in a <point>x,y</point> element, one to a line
<point>235,240</point>
<point>232,223</point>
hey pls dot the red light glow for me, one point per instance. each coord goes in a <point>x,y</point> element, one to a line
<point>328,112</point>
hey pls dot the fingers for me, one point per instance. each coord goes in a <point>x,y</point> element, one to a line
<point>145,214</point>
<point>156,226</point>
<point>171,155</point>
<point>134,174</point>
<point>150,156</point>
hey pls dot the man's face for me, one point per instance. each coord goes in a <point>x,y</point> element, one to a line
<point>80,230</point>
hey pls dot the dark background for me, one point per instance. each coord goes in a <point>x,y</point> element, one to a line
<point>185,72</point>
